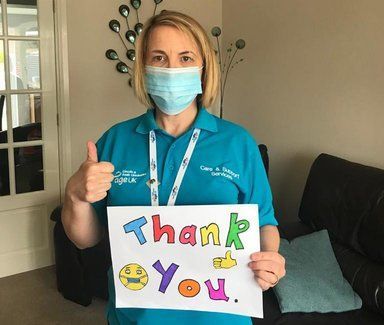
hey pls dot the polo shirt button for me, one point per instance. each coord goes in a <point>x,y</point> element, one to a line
<point>173,146</point>
<point>171,167</point>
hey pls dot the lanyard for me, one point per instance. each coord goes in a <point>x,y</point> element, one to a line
<point>154,184</point>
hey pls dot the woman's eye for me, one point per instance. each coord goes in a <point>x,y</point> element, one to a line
<point>158,58</point>
<point>186,59</point>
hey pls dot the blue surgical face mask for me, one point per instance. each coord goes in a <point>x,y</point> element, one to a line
<point>173,89</point>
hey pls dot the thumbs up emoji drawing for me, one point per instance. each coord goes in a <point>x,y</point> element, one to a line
<point>224,262</point>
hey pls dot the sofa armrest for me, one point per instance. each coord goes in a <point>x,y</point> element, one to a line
<point>264,156</point>
<point>365,276</point>
<point>56,214</point>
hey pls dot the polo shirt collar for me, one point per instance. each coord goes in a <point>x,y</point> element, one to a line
<point>147,123</point>
<point>204,121</point>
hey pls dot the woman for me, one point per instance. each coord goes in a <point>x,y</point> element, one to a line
<point>176,73</point>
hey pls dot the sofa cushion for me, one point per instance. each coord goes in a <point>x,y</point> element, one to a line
<point>314,281</point>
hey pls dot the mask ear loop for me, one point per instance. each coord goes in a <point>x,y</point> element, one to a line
<point>153,103</point>
<point>199,97</point>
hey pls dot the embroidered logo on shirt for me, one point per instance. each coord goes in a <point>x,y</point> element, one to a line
<point>220,172</point>
<point>127,177</point>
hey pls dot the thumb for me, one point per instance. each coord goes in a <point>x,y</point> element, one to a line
<point>91,152</point>
<point>228,255</point>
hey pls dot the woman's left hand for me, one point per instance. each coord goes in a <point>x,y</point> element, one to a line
<point>268,267</point>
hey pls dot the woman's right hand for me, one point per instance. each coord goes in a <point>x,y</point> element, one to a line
<point>92,180</point>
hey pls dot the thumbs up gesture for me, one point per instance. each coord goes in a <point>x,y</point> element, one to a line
<point>92,180</point>
<point>91,152</point>
<point>224,262</point>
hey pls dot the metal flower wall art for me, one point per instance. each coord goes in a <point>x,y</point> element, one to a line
<point>226,61</point>
<point>128,39</point>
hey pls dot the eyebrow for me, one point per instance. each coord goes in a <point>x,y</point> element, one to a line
<point>181,53</point>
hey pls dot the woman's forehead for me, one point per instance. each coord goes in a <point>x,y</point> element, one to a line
<point>169,38</point>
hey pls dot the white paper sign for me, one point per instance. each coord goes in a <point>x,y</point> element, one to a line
<point>186,257</point>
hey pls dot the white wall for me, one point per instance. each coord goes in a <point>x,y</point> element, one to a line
<point>312,82</point>
<point>99,95</point>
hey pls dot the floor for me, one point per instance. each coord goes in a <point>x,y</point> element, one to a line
<point>32,298</point>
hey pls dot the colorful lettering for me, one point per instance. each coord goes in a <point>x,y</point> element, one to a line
<point>218,294</point>
<point>166,275</point>
<point>189,288</point>
<point>188,235</point>
<point>236,228</point>
<point>135,226</point>
<point>211,229</point>
<point>159,231</point>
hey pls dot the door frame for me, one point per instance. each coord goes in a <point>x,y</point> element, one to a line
<point>63,99</point>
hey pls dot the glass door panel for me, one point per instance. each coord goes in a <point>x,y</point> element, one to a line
<point>22,18</point>
<point>24,63</point>
<point>1,20</point>
<point>29,169</point>
<point>20,122</point>
<point>26,117</point>
<point>3,119</point>
<point>2,68</point>
<point>4,172</point>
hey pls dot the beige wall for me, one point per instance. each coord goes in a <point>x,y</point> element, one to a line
<point>99,96</point>
<point>312,82</point>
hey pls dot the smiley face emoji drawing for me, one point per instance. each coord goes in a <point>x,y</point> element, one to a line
<point>133,276</point>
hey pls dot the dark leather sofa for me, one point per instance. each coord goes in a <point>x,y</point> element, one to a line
<point>344,197</point>
<point>347,199</point>
<point>80,274</point>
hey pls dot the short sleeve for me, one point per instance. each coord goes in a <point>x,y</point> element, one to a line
<point>101,206</point>
<point>258,189</point>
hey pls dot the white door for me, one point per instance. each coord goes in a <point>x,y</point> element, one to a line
<point>29,165</point>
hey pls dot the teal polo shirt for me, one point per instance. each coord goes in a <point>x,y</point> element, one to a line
<point>225,168</point>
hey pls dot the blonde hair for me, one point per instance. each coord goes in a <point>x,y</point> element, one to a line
<point>186,24</point>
